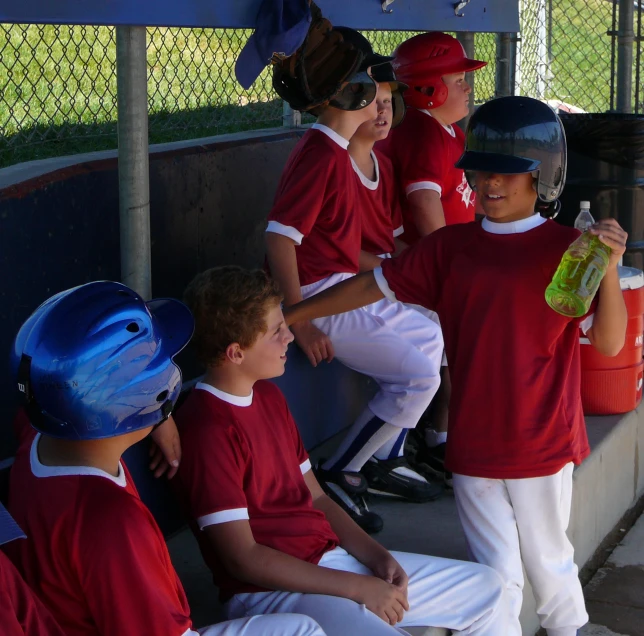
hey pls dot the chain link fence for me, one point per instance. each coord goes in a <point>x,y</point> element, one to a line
<point>58,83</point>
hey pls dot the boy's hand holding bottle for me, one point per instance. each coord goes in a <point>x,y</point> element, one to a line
<point>611,234</point>
<point>585,263</point>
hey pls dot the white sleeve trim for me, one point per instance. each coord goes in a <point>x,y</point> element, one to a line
<point>398,231</point>
<point>223,516</point>
<point>190,632</point>
<point>381,281</point>
<point>305,466</point>
<point>423,185</point>
<point>587,323</point>
<point>285,230</point>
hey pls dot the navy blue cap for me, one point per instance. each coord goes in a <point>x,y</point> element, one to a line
<point>9,529</point>
<point>280,27</point>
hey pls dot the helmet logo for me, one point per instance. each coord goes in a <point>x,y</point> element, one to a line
<point>438,50</point>
<point>21,388</point>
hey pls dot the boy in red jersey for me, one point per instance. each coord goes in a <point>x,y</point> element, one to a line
<point>273,540</point>
<point>433,191</point>
<point>96,366</point>
<point>516,422</point>
<point>313,241</point>
<point>377,194</point>
<point>379,204</point>
<point>21,611</point>
<point>426,146</point>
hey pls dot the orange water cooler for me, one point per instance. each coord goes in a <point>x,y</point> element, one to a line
<point>614,385</point>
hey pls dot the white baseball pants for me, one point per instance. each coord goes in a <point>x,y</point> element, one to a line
<point>395,345</point>
<point>511,521</point>
<point>465,597</point>
<point>275,625</point>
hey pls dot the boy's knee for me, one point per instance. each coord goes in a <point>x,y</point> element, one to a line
<point>309,627</point>
<point>488,579</point>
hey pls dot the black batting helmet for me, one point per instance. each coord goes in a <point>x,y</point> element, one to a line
<point>514,135</point>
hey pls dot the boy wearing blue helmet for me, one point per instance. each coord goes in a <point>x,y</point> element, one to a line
<point>95,365</point>
<point>515,419</point>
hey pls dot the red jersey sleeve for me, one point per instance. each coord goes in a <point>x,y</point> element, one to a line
<point>302,192</point>
<point>396,214</point>
<point>212,473</point>
<point>414,276</point>
<point>128,580</point>
<point>422,164</point>
<point>21,611</point>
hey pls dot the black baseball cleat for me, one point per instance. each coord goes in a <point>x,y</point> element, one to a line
<point>396,478</point>
<point>432,460</point>
<point>348,490</point>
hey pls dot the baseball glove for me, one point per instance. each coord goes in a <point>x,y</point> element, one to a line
<point>317,70</point>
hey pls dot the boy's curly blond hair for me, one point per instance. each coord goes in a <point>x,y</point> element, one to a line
<point>229,305</point>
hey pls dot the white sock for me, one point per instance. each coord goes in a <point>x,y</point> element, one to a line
<point>434,438</point>
<point>394,447</point>
<point>364,438</point>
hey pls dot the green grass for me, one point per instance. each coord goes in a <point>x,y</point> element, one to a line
<point>58,83</point>
<point>58,89</point>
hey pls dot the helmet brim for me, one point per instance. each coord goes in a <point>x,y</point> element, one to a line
<point>428,69</point>
<point>498,163</point>
<point>174,323</point>
<point>468,65</point>
<point>375,59</point>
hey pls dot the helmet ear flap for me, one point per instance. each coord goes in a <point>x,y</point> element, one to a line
<point>548,210</point>
<point>399,110</point>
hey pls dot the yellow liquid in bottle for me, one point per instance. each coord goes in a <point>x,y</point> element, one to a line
<point>578,276</point>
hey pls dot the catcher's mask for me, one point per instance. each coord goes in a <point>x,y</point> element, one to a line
<point>326,69</point>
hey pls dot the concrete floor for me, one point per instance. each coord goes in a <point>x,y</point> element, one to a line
<point>615,595</point>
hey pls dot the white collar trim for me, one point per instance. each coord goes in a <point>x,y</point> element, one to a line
<point>514,227</point>
<point>235,400</point>
<point>368,183</point>
<point>448,129</point>
<point>40,470</point>
<point>331,134</point>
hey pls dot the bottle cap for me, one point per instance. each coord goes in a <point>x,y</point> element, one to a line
<point>584,205</point>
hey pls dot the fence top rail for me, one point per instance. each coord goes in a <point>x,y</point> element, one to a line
<point>390,15</point>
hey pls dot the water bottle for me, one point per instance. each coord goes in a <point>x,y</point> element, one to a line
<point>582,268</point>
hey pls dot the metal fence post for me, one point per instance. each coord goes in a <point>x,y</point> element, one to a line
<point>543,60</point>
<point>504,65</point>
<point>133,159</point>
<point>625,39</point>
<point>466,38</point>
<point>291,118</point>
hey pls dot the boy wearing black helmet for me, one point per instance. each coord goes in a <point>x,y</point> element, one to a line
<point>313,241</point>
<point>380,207</point>
<point>95,366</point>
<point>516,422</point>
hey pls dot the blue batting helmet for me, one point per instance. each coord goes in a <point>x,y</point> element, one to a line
<point>96,361</point>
